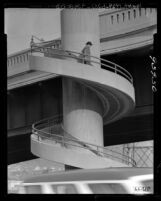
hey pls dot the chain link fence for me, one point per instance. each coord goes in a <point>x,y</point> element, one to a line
<point>141,154</point>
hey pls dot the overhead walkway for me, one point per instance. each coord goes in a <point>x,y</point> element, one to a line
<point>114,87</point>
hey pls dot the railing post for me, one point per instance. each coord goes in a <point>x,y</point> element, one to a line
<point>38,136</point>
<point>115,69</point>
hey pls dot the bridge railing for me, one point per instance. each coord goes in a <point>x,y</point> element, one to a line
<point>79,57</point>
<point>51,130</point>
<point>118,22</point>
<point>18,58</point>
<point>23,56</point>
<point>53,51</point>
<point>125,20</point>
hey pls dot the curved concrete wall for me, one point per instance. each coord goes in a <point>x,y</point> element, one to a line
<point>82,111</point>
<point>73,69</point>
<point>72,157</point>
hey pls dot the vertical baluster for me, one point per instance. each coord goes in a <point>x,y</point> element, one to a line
<point>123,16</point>
<point>134,13</point>
<point>111,19</point>
<point>115,69</point>
<point>129,15</point>
<point>117,18</point>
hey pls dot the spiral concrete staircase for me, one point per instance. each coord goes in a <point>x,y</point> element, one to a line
<point>120,30</point>
<point>111,83</point>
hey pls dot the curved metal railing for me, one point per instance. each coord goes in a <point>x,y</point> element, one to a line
<point>51,130</point>
<point>79,57</point>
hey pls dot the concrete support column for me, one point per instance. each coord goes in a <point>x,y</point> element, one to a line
<point>82,111</point>
<point>79,26</point>
<point>82,108</point>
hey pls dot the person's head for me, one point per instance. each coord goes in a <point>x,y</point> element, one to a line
<point>89,43</point>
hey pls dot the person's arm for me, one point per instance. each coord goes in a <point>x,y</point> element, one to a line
<point>83,54</point>
<point>83,51</point>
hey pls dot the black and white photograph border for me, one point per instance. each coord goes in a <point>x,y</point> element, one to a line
<point>81,90</point>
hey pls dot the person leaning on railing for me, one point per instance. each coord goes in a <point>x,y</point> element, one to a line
<point>32,43</point>
<point>86,53</point>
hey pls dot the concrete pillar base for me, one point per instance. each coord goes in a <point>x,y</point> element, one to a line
<point>82,112</point>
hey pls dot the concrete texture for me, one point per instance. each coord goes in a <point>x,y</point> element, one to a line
<point>28,78</point>
<point>70,157</point>
<point>129,29</point>
<point>82,111</point>
<point>79,26</point>
<point>17,67</point>
<point>83,72</point>
<point>38,166</point>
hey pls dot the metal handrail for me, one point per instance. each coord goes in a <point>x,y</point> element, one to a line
<point>98,152</point>
<point>116,65</point>
<point>83,147</point>
<point>65,140</point>
<point>71,54</point>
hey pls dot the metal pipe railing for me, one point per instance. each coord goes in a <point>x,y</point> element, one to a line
<point>68,141</point>
<point>62,138</point>
<point>63,141</point>
<point>96,149</point>
<point>79,57</point>
<point>100,59</point>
